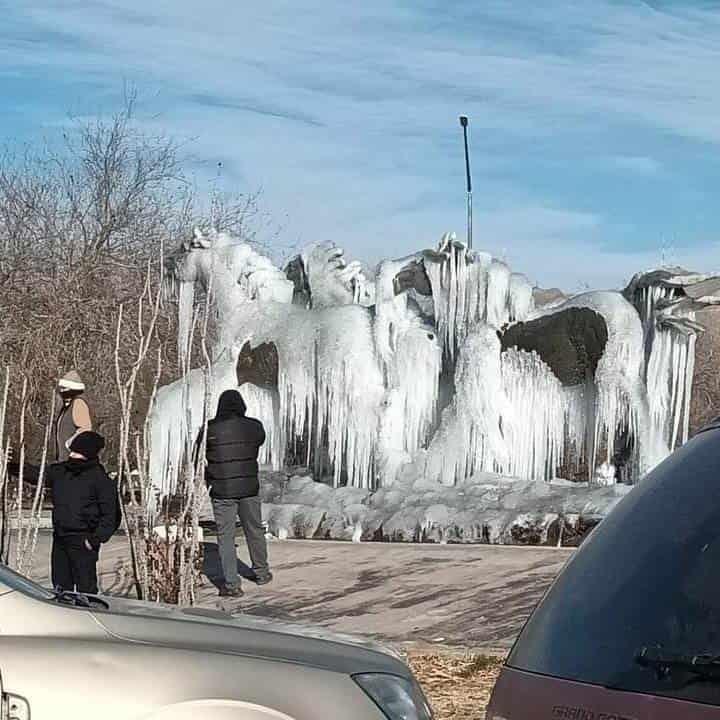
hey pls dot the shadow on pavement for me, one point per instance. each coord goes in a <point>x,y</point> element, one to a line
<point>212,569</point>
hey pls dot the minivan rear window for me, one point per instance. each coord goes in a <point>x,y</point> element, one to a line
<point>648,577</point>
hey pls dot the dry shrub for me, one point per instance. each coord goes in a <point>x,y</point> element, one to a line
<point>165,569</point>
<point>458,687</point>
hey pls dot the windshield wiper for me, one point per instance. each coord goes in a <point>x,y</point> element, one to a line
<point>702,665</point>
<point>79,599</point>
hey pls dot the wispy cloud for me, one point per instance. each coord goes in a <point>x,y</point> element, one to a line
<point>347,115</point>
<point>637,164</point>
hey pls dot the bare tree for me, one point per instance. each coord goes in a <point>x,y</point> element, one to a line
<point>13,511</point>
<point>163,533</point>
<point>79,222</point>
<point>84,222</point>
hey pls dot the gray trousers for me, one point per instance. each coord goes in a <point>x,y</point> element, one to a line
<point>249,510</point>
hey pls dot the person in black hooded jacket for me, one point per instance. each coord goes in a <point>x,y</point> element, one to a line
<point>86,513</point>
<point>233,444</point>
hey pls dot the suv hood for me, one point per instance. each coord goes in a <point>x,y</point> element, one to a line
<point>217,631</point>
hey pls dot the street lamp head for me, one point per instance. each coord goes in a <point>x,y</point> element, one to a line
<point>464,120</point>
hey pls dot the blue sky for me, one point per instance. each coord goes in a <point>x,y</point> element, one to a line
<point>595,126</point>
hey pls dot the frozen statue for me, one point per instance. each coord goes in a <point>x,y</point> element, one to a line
<point>442,365</point>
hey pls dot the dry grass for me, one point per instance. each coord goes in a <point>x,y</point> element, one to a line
<point>457,686</point>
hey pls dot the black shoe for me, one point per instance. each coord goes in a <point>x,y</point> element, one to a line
<point>263,578</point>
<point>226,591</point>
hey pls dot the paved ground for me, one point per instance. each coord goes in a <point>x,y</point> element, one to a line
<point>469,597</point>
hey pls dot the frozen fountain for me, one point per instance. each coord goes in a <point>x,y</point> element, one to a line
<point>436,399</point>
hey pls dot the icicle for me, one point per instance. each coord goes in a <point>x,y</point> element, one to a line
<point>411,357</point>
<point>178,415</point>
<point>443,277</point>
<point>579,418</point>
<point>296,385</point>
<point>350,392</point>
<point>477,288</point>
<point>331,388</point>
<point>470,288</point>
<point>263,405</point>
<point>678,385</point>
<point>617,403</point>
<point>498,287</point>
<point>470,439</point>
<point>689,376</point>
<point>534,427</point>
<point>186,300</point>
<point>670,366</point>
<point>521,298</point>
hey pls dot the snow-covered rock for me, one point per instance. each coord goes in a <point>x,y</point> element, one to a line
<point>487,508</point>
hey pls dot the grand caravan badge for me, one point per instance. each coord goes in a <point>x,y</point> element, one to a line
<point>565,712</point>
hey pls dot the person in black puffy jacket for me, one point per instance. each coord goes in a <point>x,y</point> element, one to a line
<point>231,472</point>
<point>86,513</point>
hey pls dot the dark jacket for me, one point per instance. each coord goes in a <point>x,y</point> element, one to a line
<point>85,500</point>
<point>233,444</point>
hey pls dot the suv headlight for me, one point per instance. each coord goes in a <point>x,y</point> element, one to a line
<point>398,698</point>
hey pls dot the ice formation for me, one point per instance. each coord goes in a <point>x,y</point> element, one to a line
<point>535,449</point>
<point>471,288</point>
<point>435,369</point>
<point>671,361</point>
<point>332,278</point>
<point>485,508</point>
<point>470,437</point>
<point>329,384</point>
<point>410,356</point>
<point>617,398</point>
<point>180,413</point>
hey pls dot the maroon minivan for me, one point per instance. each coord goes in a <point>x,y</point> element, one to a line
<point>630,630</point>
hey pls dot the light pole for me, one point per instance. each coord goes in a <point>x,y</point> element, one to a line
<point>464,124</point>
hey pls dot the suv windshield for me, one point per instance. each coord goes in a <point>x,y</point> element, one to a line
<point>647,578</point>
<point>11,580</point>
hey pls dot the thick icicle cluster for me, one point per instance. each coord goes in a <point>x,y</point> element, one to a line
<point>186,300</point>
<point>263,405</point>
<point>411,359</point>
<point>509,415</point>
<point>330,387</point>
<point>670,368</point>
<point>534,429</point>
<point>179,414</point>
<point>617,404</point>
<point>471,288</point>
<point>470,439</point>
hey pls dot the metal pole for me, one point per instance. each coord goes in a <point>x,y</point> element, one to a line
<point>464,124</point>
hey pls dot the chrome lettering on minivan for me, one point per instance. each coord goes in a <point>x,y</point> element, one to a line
<point>565,712</point>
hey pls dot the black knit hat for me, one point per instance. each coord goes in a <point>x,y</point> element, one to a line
<point>88,444</point>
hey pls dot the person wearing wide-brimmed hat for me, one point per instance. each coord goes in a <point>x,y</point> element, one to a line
<point>74,414</point>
